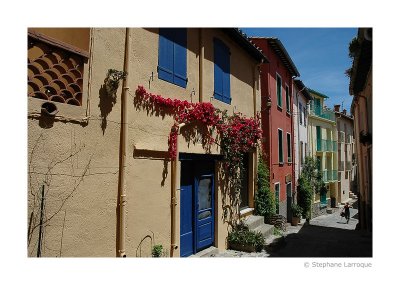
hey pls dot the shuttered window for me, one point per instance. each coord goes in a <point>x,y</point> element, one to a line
<point>277,198</point>
<point>172,53</point>
<point>279,90</point>
<point>289,147</point>
<point>222,85</point>
<point>280,145</point>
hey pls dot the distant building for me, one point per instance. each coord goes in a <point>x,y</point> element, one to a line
<point>361,108</point>
<point>277,120</point>
<point>322,138</point>
<point>346,164</point>
<point>301,101</point>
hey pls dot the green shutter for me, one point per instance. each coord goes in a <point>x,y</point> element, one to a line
<point>279,90</point>
<point>280,145</point>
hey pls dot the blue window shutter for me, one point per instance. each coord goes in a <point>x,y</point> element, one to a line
<point>222,87</point>
<point>165,58</point>
<point>180,52</point>
<point>218,73</point>
<point>226,76</point>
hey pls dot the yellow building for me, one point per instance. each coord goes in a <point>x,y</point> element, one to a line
<point>322,145</point>
<point>100,177</point>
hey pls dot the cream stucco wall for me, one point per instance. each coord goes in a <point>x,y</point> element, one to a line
<point>77,163</point>
<point>83,144</point>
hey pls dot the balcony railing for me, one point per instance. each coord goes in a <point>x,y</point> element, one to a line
<point>323,113</point>
<point>329,175</point>
<point>326,145</point>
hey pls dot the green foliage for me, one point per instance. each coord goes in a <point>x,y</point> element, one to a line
<point>297,210</point>
<point>312,173</point>
<point>243,236</point>
<point>305,195</point>
<point>354,48</point>
<point>277,232</point>
<point>264,198</point>
<point>157,250</point>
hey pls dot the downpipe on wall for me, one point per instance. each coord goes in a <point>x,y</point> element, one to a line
<point>123,150</point>
<point>174,174</point>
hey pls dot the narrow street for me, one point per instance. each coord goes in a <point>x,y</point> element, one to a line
<point>325,236</point>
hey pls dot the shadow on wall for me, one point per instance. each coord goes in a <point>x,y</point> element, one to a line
<point>106,104</point>
<point>230,213</point>
<point>153,154</point>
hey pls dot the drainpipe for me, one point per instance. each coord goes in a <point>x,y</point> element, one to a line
<point>201,64</point>
<point>174,174</point>
<point>123,151</point>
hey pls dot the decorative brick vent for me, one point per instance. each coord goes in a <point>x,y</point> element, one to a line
<point>54,74</point>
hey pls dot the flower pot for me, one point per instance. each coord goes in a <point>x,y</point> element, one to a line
<point>295,221</point>
<point>242,247</point>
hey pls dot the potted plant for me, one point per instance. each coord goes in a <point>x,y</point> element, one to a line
<point>157,250</point>
<point>243,239</point>
<point>296,214</point>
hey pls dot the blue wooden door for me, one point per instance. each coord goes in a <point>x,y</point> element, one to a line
<point>186,205</point>
<point>196,206</point>
<point>204,217</point>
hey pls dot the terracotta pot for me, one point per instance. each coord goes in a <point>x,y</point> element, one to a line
<point>242,247</point>
<point>295,221</point>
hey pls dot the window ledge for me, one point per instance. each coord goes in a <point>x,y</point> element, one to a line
<point>281,163</point>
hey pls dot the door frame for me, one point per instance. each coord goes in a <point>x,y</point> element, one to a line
<point>186,157</point>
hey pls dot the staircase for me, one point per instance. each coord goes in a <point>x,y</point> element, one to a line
<point>256,223</point>
<point>352,195</point>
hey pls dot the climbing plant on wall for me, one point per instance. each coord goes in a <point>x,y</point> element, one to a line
<point>236,134</point>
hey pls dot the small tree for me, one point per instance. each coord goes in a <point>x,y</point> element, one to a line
<point>310,181</point>
<point>312,173</point>
<point>304,196</point>
<point>264,198</point>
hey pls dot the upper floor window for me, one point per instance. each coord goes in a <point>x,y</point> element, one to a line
<point>279,90</point>
<point>288,101</point>
<point>289,147</point>
<point>305,116</point>
<point>172,56</point>
<point>56,58</point>
<point>280,145</point>
<point>222,82</point>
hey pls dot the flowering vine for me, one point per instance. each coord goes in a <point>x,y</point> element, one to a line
<point>237,134</point>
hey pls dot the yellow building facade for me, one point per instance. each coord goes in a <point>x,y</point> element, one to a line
<point>322,146</point>
<point>100,179</point>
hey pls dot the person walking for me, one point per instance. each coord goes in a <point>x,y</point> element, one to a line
<point>347,212</point>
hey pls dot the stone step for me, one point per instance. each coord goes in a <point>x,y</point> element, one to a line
<point>253,221</point>
<point>265,229</point>
<point>210,251</point>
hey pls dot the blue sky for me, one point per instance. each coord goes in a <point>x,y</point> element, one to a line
<point>320,55</point>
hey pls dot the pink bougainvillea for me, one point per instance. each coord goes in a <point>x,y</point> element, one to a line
<point>237,133</point>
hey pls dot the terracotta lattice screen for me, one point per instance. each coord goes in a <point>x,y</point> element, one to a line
<point>55,73</point>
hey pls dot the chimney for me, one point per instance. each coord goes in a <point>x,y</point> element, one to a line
<point>337,108</point>
<point>344,111</point>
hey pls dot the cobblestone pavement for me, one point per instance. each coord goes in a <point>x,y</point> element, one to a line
<point>334,220</point>
<point>325,236</point>
<point>270,241</point>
